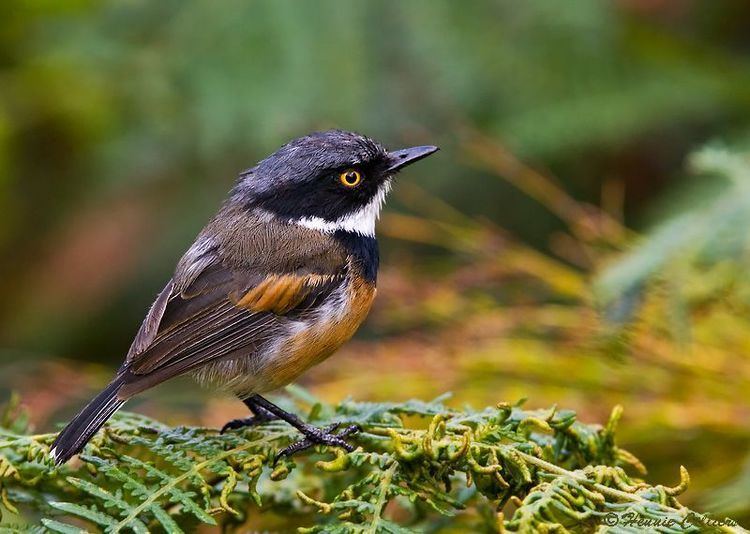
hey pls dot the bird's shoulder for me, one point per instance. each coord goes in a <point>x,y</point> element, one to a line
<point>247,265</point>
<point>253,241</point>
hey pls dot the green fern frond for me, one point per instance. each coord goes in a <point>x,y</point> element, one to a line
<point>421,459</point>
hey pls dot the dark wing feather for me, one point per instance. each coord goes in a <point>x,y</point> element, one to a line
<point>222,312</point>
<point>150,325</point>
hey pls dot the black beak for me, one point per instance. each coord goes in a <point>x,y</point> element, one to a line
<point>398,159</point>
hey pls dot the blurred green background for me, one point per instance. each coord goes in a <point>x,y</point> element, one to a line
<point>581,238</point>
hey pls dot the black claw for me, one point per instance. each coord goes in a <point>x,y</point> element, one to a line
<point>320,436</point>
<point>312,435</point>
<point>235,424</point>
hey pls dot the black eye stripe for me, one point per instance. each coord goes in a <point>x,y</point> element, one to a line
<point>323,194</point>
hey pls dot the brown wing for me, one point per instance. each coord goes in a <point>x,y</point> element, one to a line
<point>222,312</point>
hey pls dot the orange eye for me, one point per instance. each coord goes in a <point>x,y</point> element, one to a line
<point>350,178</point>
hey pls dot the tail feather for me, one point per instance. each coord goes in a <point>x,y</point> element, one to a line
<point>79,431</point>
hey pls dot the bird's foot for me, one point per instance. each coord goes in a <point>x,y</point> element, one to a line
<point>320,436</point>
<point>260,417</point>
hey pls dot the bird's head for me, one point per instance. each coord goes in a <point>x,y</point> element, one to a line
<point>330,181</point>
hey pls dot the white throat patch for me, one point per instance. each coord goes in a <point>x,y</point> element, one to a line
<point>361,221</point>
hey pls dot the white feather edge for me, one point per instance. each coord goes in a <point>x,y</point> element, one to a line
<point>361,221</point>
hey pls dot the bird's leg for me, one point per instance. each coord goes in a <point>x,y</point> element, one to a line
<point>313,435</point>
<point>260,416</point>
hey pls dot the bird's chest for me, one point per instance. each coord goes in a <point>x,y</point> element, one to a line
<point>313,339</point>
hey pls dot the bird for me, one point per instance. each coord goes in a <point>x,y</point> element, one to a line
<point>279,279</point>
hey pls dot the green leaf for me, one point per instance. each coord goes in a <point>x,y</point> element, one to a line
<point>140,474</point>
<point>62,528</point>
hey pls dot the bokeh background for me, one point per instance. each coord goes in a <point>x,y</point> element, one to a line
<point>580,240</point>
